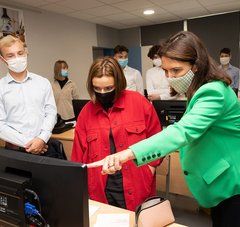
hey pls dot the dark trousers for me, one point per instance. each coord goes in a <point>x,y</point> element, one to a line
<point>227,213</point>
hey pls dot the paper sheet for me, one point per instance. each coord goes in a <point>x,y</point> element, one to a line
<point>110,220</point>
<point>92,209</point>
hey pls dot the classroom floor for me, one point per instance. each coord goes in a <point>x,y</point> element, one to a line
<point>187,212</point>
<point>191,218</point>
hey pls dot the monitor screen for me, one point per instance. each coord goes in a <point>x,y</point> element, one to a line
<point>169,111</point>
<point>60,185</point>
<point>78,104</point>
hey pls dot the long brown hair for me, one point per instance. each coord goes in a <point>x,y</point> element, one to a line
<point>187,47</point>
<point>57,68</point>
<point>106,66</point>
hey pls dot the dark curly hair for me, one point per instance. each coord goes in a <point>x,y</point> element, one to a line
<point>153,51</point>
<point>225,50</point>
<point>120,49</point>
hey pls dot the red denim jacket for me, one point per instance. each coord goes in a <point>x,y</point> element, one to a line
<point>132,118</point>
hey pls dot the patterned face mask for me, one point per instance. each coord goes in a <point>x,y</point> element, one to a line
<point>181,84</point>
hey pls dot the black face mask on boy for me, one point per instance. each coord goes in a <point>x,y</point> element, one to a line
<point>105,99</point>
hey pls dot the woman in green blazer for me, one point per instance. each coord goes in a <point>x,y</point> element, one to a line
<point>207,136</point>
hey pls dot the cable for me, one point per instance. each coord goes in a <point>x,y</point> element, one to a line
<point>35,197</point>
<point>31,212</point>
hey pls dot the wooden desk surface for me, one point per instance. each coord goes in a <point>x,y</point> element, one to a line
<point>107,209</point>
<point>68,135</point>
<point>2,143</point>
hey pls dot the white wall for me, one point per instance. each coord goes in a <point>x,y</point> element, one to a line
<point>51,37</point>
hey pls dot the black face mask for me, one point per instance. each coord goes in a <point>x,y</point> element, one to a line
<point>105,99</point>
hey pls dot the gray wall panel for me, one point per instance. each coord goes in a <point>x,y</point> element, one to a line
<point>130,37</point>
<point>107,37</point>
<point>218,32</point>
<point>154,34</point>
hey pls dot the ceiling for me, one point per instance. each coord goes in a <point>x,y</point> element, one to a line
<point>121,14</point>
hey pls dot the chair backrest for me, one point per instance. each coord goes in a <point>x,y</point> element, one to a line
<point>55,149</point>
<point>78,104</point>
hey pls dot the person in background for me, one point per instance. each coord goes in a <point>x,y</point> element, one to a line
<point>65,90</point>
<point>106,125</point>
<point>27,107</point>
<point>156,81</point>
<point>232,71</point>
<point>207,136</point>
<point>133,76</point>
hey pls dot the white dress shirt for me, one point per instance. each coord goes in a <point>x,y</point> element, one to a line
<point>157,83</point>
<point>27,109</point>
<point>134,79</point>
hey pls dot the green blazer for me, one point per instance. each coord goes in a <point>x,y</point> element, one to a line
<point>208,140</point>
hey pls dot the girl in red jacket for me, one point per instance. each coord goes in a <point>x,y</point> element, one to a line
<point>113,120</point>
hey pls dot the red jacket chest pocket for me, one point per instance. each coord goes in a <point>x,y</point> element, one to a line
<point>93,148</point>
<point>135,133</point>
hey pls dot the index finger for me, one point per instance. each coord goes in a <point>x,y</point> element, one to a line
<point>95,164</point>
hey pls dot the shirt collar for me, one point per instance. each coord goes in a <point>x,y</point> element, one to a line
<point>229,66</point>
<point>10,79</point>
<point>118,104</point>
<point>126,68</point>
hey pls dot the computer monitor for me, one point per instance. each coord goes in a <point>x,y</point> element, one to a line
<point>78,104</point>
<point>60,185</point>
<point>169,111</point>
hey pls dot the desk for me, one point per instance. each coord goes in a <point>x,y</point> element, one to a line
<point>107,209</point>
<point>2,143</point>
<point>67,140</point>
<point>177,181</point>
